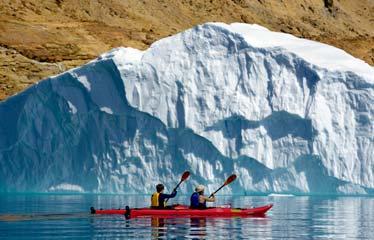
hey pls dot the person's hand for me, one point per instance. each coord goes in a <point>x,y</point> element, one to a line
<point>213,197</point>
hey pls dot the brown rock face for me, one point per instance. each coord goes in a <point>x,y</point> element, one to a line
<point>39,38</point>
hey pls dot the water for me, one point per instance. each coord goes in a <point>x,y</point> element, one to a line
<point>66,216</point>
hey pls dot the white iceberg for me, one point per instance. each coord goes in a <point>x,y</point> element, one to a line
<point>288,115</point>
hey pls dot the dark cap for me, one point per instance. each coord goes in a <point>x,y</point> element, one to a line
<point>160,187</point>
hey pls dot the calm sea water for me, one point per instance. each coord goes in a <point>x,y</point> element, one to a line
<point>66,216</point>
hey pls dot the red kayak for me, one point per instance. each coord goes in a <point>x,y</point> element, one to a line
<point>181,210</point>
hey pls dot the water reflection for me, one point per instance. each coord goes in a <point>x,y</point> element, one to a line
<point>164,228</point>
<point>158,230</point>
<point>45,216</point>
<point>198,227</point>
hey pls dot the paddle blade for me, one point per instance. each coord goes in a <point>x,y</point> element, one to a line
<point>185,175</point>
<point>230,179</point>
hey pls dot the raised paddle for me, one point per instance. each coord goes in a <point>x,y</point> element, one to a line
<point>185,175</point>
<point>227,182</point>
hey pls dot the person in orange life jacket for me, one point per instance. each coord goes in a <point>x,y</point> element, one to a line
<point>158,198</point>
<point>198,200</point>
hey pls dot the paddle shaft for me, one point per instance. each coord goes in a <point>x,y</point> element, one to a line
<point>184,177</point>
<point>227,182</point>
<point>175,189</point>
<point>211,195</point>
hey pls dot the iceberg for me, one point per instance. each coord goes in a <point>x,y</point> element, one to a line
<point>288,115</point>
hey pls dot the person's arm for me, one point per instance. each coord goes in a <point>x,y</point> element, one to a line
<point>209,199</point>
<point>173,194</point>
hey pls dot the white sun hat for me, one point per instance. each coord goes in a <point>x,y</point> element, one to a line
<point>199,188</point>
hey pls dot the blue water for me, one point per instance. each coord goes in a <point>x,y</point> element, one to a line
<point>66,216</point>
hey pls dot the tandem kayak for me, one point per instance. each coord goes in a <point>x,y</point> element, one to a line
<point>182,210</point>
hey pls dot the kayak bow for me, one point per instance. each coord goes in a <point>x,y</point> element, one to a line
<point>181,210</point>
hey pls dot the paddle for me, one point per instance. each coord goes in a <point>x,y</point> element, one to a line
<point>227,182</point>
<point>185,175</point>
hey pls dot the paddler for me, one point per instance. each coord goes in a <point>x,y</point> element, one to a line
<point>198,200</point>
<point>158,198</point>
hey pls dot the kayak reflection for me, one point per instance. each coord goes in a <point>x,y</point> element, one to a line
<point>161,226</point>
<point>166,227</point>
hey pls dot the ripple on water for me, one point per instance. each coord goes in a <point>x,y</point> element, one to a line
<point>66,216</point>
